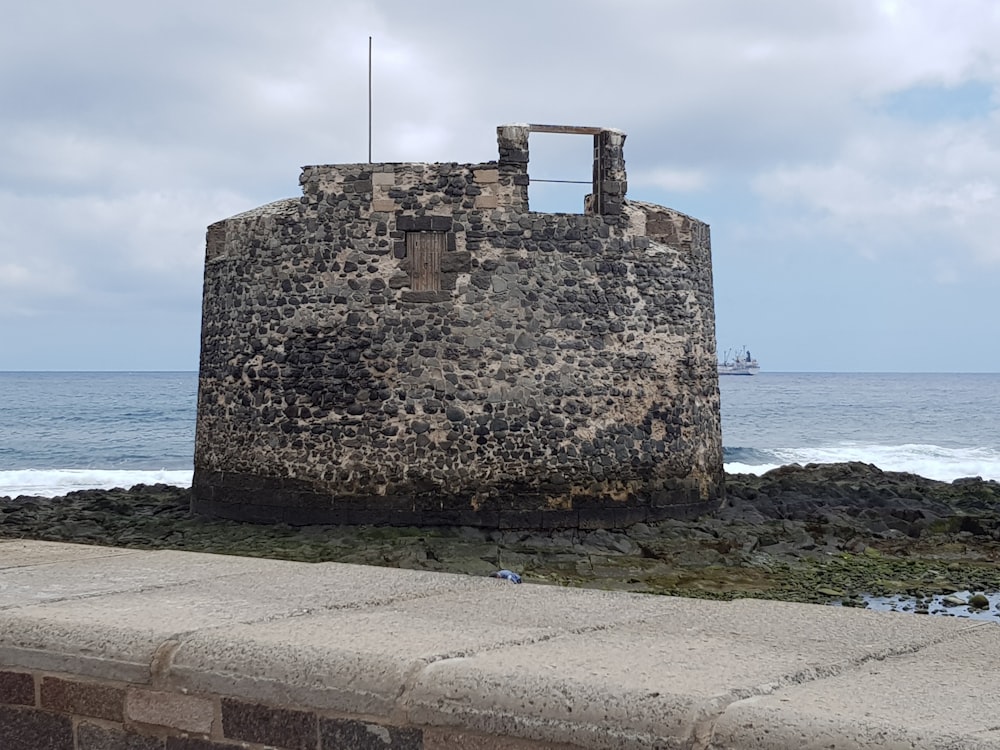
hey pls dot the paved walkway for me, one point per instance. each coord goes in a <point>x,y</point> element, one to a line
<point>470,662</point>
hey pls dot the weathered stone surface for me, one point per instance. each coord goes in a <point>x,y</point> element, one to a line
<point>515,667</point>
<point>30,729</point>
<point>334,358</point>
<point>17,688</point>
<point>362,735</point>
<point>193,743</point>
<point>93,737</point>
<point>283,727</point>
<point>83,698</point>
<point>188,713</point>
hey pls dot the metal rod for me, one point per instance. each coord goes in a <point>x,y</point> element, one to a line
<point>568,182</point>
<point>369,100</point>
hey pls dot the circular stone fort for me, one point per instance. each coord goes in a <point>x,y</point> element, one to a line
<point>410,344</point>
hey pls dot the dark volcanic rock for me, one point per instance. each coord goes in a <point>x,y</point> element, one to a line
<point>863,497</point>
<point>796,533</point>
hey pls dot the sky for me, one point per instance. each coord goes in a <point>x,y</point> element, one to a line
<point>846,153</point>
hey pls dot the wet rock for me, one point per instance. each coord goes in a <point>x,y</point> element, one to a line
<point>827,591</point>
<point>979,601</point>
<point>803,539</point>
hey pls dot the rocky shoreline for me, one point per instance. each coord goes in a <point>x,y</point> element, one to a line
<point>831,533</point>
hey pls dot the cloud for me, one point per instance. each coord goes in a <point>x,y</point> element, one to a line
<point>674,180</point>
<point>127,128</point>
<point>895,183</point>
<point>142,245</point>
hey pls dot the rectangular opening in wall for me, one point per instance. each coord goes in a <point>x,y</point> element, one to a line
<point>424,250</point>
<point>560,169</point>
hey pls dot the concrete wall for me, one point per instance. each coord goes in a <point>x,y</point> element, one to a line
<point>113,649</point>
<point>560,371</point>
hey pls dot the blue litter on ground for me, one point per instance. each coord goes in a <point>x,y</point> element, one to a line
<point>508,575</point>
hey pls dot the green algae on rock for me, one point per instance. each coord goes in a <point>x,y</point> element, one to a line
<point>812,534</point>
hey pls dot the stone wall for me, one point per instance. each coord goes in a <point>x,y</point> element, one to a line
<point>408,343</point>
<point>51,711</point>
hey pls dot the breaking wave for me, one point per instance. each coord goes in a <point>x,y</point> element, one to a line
<point>931,461</point>
<point>56,482</point>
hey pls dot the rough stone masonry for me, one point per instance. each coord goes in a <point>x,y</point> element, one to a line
<point>410,344</point>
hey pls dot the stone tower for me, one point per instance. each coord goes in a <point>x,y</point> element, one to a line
<point>410,344</point>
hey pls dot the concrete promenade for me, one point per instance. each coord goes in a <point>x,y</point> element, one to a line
<point>113,649</point>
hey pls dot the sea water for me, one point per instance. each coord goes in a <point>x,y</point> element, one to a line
<point>941,426</point>
<point>64,431</point>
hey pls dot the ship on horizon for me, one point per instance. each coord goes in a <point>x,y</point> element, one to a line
<point>740,363</point>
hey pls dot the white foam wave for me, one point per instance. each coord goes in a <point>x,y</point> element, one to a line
<point>758,469</point>
<point>931,461</point>
<point>56,482</point>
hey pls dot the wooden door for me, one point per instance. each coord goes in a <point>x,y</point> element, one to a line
<point>424,250</point>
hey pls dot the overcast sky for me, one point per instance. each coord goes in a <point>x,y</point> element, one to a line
<point>845,152</point>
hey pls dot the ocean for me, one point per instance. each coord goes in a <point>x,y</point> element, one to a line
<point>940,426</point>
<point>64,431</point>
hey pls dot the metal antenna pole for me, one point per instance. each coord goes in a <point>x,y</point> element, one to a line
<point>369,100</point>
